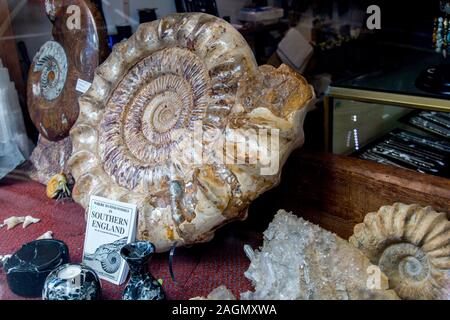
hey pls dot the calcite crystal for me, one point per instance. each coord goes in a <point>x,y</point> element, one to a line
<point>301,261</point>
<point>411,244</point>
<point>182,122</point>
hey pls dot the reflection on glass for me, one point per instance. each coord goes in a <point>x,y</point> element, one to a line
<point>355,124</point>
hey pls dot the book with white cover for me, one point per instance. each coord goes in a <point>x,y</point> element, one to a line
<point>110,225</point>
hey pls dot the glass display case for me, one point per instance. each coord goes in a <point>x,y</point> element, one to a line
<point>171,152</point>
<point>384,117</point>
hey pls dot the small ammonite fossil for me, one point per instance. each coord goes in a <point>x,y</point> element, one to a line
<point>411,245</point>
<point>57,71</point>
<point>161,125</point>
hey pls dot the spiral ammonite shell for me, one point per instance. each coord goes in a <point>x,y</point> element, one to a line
<point>51,62</point>
<point>411,245</point>
<point>130,140</point>
<point>111,262</point>
<point>52,96</point>
<point>73,54</point>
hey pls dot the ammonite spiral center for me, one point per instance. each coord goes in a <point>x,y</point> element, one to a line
<point>166,91</point>
<point>404,261</point>
<point>411,266</point>
<point>49,77</point>
<point>162,113</point>
<point>51,62</point>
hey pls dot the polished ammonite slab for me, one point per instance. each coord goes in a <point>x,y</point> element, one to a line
<point>77,48</point>
<point>163,123</point>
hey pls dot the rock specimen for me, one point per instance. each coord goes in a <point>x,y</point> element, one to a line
<point>299,260</point>
<point>49,158</point>
<point>13,221</point>
<point>160,124</point>
<point>58,69</point>
<point>219,293</point>
<point>411,245</point>
<point>47,235</point>
<point>15,147</point>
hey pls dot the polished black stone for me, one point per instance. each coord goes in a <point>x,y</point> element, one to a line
<point>72,282</point>
<point>28,268</point>
<point>142,285</point>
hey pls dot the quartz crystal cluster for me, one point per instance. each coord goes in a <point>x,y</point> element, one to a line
<point>300,260</point>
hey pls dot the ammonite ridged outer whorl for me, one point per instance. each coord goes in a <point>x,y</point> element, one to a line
<point>132,138</point>
<point>411,245</point>
<point>74,54</point>
<point>52,96</point>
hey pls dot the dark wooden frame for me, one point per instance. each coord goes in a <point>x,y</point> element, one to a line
<point>336,192</point>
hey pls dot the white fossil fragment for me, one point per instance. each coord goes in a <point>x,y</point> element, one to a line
<point>411,245</point>
<point>13,221</point>
<point>47,235</point>
<point>4,258</point>
<point>29,220</point>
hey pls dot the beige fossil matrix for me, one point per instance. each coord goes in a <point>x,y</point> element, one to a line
<point>161,123</point>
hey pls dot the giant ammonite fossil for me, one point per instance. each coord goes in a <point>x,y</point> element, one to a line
<point>135,138</point>
<point>79,46</point>
<point>411,245</point>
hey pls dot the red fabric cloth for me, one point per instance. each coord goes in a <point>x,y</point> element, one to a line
<point>198,269</point>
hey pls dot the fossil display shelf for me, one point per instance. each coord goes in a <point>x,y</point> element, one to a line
<point>332,191</point>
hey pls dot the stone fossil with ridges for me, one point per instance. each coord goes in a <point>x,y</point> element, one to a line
<point>411,244</point>
<point>131,140</point>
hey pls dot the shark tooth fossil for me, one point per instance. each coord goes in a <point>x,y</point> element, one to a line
<point>29,220</point>
<point>47,235</point>
<point>13,221</point>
